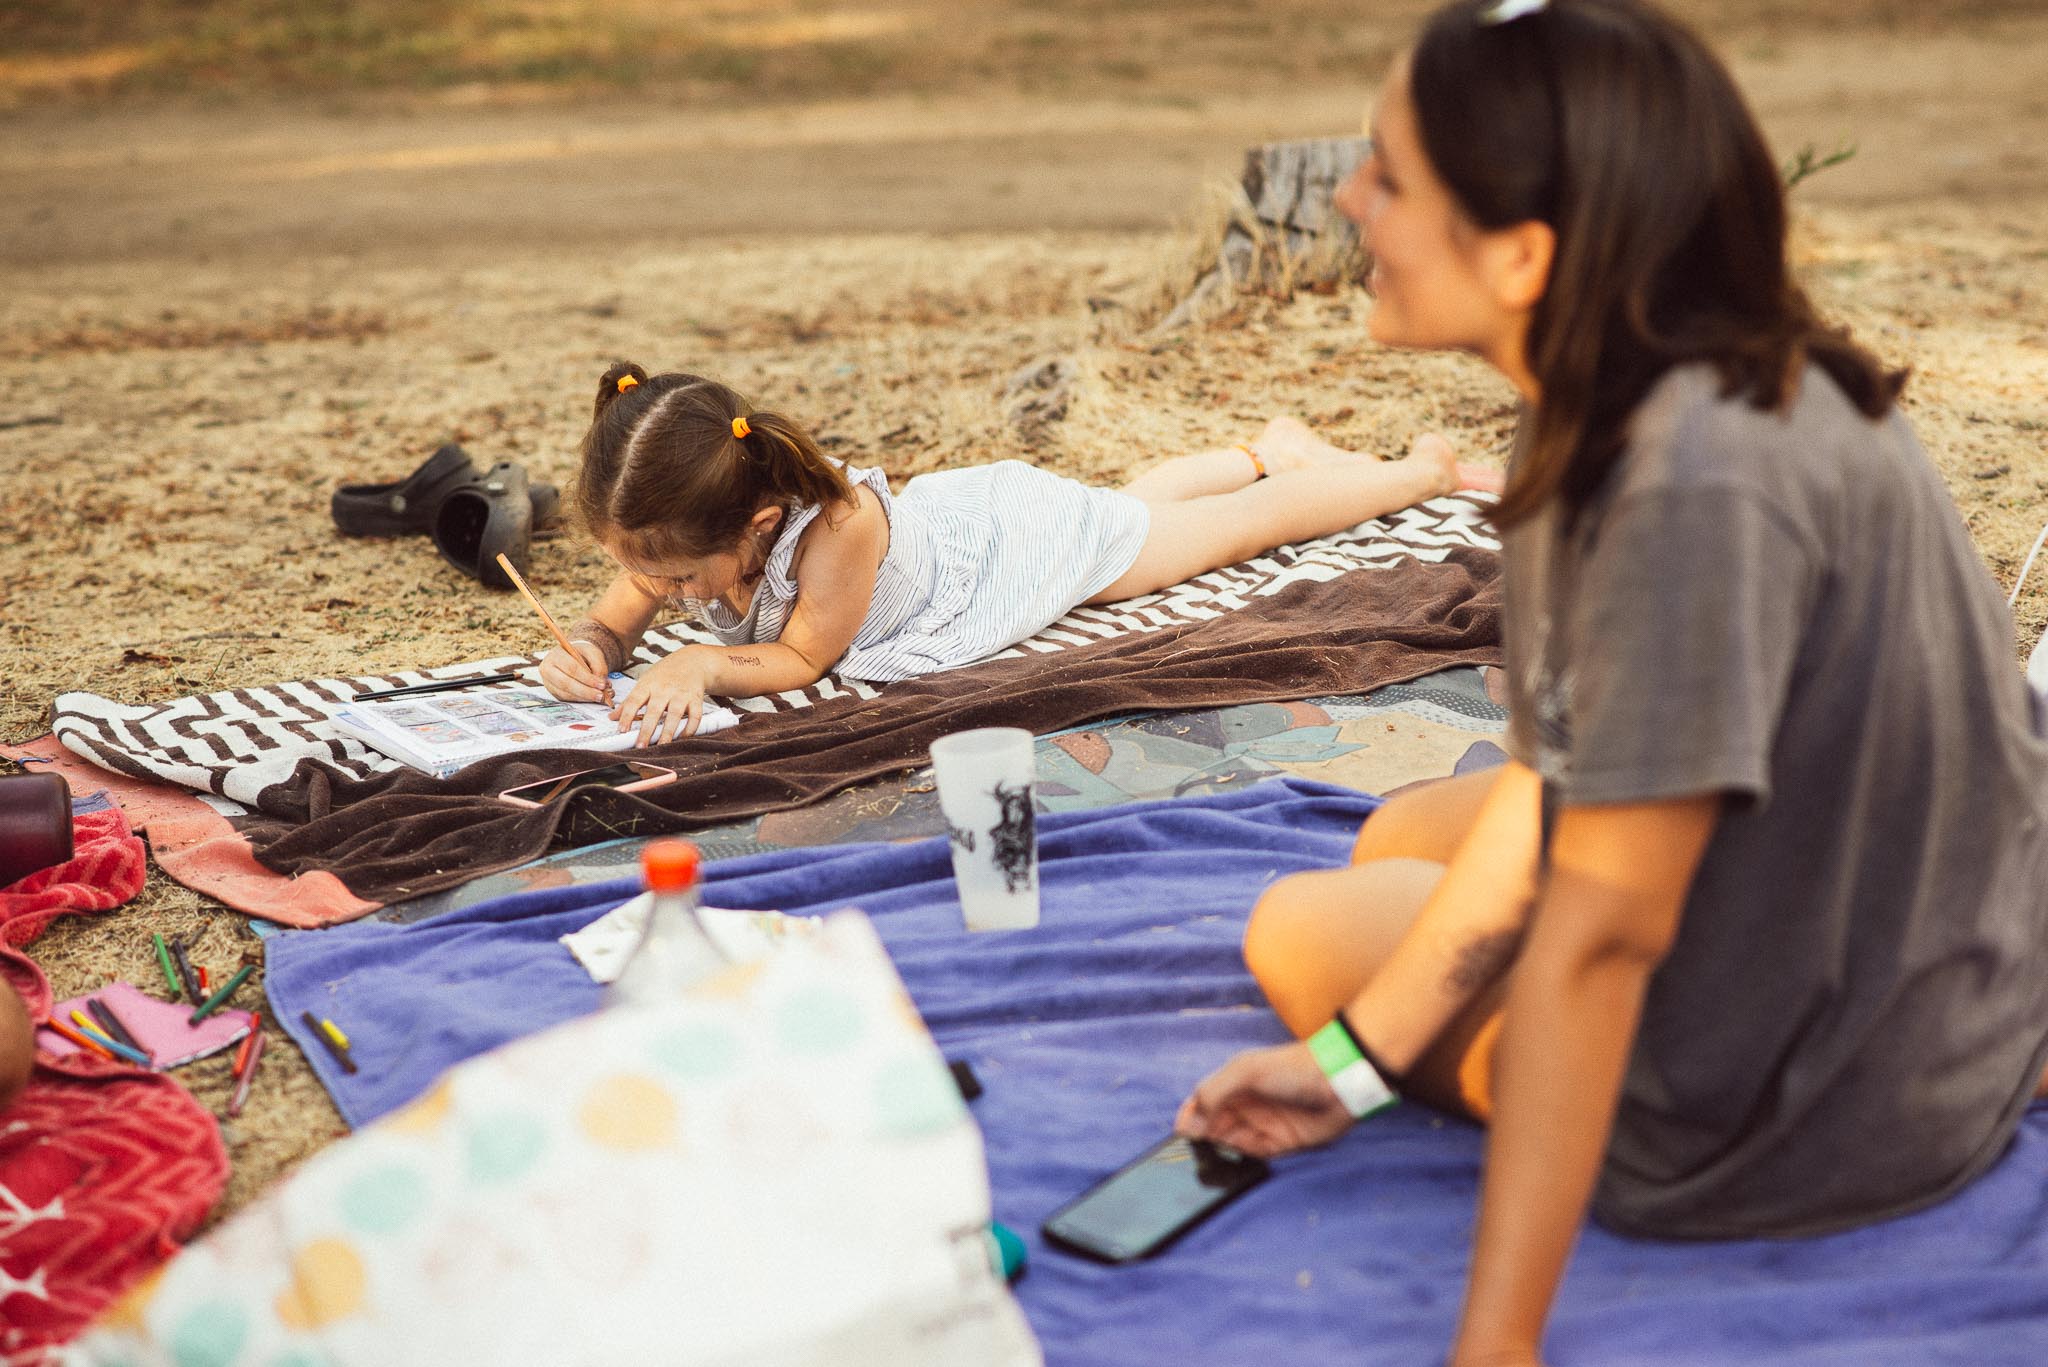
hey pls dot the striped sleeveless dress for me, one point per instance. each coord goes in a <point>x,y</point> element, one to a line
<point>978,560</point>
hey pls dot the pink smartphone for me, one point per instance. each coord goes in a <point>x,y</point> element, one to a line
<point>628,776</point>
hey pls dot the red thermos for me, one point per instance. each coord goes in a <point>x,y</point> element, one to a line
<point>35,825</point>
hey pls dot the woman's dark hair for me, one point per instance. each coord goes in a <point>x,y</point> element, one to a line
<point>1617,126</point>
<point>663,470</point>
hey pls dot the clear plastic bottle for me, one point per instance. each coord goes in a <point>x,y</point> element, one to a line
<point>674,952</point>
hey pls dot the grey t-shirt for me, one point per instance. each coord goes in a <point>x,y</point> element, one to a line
<point>1785,608</point>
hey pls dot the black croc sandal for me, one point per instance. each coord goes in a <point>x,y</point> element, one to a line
<point>404,507</point>
<point>489,516</point>
<point>547,511</point>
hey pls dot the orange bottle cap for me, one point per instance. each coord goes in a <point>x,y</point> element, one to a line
<point>670,865</point>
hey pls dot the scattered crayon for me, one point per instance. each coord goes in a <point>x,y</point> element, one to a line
<point>112,1024</point>
<point>334,1033</point>
<point>205,983</point>
<point>334,1047</point>
<point>186,977</point>
<point>227,989</point>
<point>163,956</point>
<point>82,1041</point>
<point>246,1075</point>
<point>93,1039</point>
<point>248,1041</point>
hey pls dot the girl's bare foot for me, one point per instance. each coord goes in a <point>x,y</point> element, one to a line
<point>1436,465</point>
<point>1482,478</point>
<point>1289,444</point>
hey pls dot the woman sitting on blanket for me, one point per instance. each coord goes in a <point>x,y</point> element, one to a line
<point>1751,935</point>
<point>801,564</point>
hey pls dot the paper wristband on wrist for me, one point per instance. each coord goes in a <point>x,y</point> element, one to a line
<point>1395,1082</point>
<point>590,631</point>
<point>1355,1081</point>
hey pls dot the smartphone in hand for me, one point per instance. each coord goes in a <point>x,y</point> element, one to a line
<point>1154,1199</point>
<point>627,776</point>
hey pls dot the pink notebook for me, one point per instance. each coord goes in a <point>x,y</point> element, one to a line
<point>160,1027</point>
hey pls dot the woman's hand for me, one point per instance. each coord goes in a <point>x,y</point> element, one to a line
<point>667,700</point>
<point>1265,1102</point>
<point>580,677</point>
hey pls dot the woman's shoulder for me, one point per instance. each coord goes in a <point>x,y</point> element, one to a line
<point>1691,429</point>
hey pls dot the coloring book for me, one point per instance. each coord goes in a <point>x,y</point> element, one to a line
<point>442,732</point>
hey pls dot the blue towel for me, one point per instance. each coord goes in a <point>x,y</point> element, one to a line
<point>1088,1032</point>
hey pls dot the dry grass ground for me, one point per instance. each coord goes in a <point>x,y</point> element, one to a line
<point>176,407</point>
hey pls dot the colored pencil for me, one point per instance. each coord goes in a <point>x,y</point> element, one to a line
<point>561,637</point>
<point>93,1039</point>
<point>163,956</point>
<point>112,1024</point>
<point>340,1051</point>
<point>227,989</point>
<point>205,983</point>
<point>437,686</point>
<point>247,1075</point>
<point>334,1032</point>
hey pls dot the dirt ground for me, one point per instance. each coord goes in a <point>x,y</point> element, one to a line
<point>214,311</point>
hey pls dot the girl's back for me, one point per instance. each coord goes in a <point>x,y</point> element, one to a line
<point>978,558</point>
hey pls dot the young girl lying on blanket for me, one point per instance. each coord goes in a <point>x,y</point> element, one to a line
<point>1751,936</point>
<point>801,564</point>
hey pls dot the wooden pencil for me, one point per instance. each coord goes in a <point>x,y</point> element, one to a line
<point>561,636</point>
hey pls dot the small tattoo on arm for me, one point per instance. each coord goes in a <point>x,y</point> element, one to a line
<point>743,659</point>
<point>1482,961</point>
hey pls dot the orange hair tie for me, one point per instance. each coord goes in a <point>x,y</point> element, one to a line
<point>626,382</point>
<point>740,429</point>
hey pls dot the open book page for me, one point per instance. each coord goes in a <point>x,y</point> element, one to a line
<point>441,732</point>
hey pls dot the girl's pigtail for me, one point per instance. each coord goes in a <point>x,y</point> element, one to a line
<point>621,378</point>
<point>796,470</point>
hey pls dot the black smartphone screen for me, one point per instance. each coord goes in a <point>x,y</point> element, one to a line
<point>1153,1200</point>
<point>609,776</point>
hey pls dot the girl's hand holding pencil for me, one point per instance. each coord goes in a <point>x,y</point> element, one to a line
<point>577,673</point>
<point>598,689</point>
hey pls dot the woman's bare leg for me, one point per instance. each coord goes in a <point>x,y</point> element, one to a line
<point>1316,938</point>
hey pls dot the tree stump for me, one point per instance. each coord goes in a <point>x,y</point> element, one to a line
<point>1285,234</point>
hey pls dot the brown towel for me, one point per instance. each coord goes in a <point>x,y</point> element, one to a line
<point>398,835</point>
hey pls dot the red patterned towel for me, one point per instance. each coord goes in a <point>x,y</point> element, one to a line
<point>105,870</point>
<point>104,1169</point>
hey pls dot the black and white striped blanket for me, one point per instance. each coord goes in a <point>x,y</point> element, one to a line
<point>238,741</point>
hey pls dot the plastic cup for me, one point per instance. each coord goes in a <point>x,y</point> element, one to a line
<point>986,783</point>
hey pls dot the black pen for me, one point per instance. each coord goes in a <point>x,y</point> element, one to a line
<point>438,686</point>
